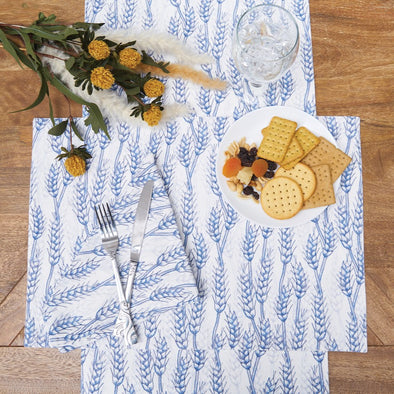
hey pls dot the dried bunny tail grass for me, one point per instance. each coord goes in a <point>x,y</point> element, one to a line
<point>107,99</point>
<point>172,111</point>
<point>185,72</point>
<point>157,42</point>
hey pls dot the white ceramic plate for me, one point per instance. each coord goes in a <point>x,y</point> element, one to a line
<point>250,126</point>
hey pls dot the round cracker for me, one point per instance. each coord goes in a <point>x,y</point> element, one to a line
<point>281,198</point>
<point>303,175</point>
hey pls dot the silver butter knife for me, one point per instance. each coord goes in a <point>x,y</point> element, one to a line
<point>141,218</point>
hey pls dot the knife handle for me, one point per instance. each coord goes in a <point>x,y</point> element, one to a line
<point>124,325</point>
<point>130,280</point>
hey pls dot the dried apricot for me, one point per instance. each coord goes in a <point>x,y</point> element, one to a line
<point>259,167</point>
<point>231,167</point>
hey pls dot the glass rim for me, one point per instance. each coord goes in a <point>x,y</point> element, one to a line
<point>288,13</point>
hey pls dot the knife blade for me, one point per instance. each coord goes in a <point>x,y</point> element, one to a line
<point>141,218</point>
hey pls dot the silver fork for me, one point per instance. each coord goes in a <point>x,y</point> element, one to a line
<point>109,235</point>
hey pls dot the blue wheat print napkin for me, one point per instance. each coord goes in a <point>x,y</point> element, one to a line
<point>71,293</point>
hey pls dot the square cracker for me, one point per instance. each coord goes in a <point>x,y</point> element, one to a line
<point>324,193</point>
<point>327,153</point>
<point>307,140</point>
<point>294,152</point>
<point>277,139</point>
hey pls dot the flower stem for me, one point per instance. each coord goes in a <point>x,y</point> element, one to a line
<point>10,25</point>
<point>139,100</point>
<point>70,118</point>
<point>49,56</point>
<point>68,52</point>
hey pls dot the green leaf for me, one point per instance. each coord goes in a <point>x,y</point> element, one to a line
<point>40,31</point>
<point>50,109</point>
<point>95,118</point>
<point>146,59</point>
<point>87,26</point>
<point>109,42</point>
<point>133,91</point>
<point>70,62</point>
<point>78,82</point>
<point>44,19</point>
<point>85,82</point>
<point>9,47</point>
<point>75,130</point>
<point>29,48</point>
<point>59,129</point>
<point>119,47</point>
<point>27,61</point>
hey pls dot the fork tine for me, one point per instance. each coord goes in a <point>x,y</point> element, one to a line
<point>106,223</point>
<point>102,221</point>
<point>106,220</point>
<point>112,221</point>
<point>98,218</point>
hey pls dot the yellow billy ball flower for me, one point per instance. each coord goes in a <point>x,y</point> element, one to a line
<point>102,78</point>
<point>98,49</point>
<point>129,57</point>
<point>75,165</point>
<point>153,88</point>
<point>152,116</point>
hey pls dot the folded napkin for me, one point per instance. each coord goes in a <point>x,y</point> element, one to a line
<point>71,294</point>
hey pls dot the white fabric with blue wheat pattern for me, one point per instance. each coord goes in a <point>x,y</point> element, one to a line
<point>71,294</point>
<point>274,300</point>
<point>206,27</point>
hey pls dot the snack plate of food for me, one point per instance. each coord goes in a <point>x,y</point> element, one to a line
<point>305,192</point>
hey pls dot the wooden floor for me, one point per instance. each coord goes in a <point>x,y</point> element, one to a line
<point>354,68</point>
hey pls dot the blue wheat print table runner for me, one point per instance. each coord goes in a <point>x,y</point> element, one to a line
<point>272,301</point>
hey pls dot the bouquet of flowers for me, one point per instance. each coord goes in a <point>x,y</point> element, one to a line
<point>85,66</point>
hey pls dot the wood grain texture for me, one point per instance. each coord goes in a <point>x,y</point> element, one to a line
<point>371,372</point>
<point>354,71</point>
<point>12,313</point>
<point>39,371</point>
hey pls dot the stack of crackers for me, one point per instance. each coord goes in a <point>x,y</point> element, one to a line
<point>309,166</point>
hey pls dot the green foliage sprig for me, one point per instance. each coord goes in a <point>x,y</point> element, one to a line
<point>25,44</point>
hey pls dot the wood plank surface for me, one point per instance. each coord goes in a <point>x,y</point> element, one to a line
<point>354,71</point>
<point>37,371</point>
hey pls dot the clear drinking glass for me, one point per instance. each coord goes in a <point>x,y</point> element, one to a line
<point>265,43</point>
